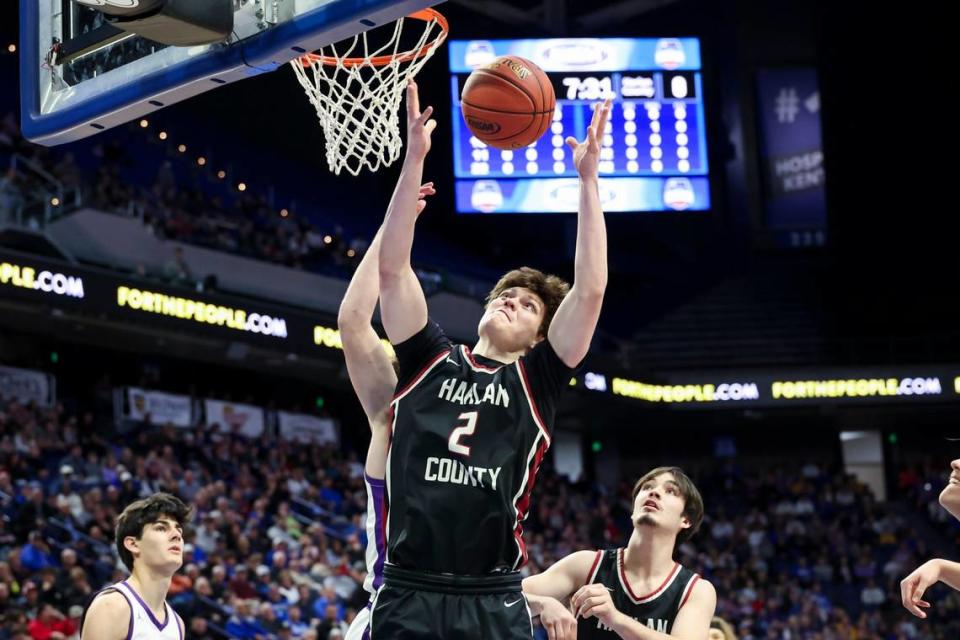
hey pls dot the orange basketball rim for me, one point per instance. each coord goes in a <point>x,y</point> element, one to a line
<point>424,15</point>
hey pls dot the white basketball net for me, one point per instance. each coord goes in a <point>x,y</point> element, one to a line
<point>358,104</point>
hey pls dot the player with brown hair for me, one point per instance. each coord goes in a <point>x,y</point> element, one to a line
<point>470,426</point>
<point>639,592</point>
<point>149,539</point>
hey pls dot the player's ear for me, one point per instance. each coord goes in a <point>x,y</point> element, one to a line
<point>132,544</point>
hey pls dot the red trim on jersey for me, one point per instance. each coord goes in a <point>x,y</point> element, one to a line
<point>417,378</point>
<point>592,574</point>
<point>523,504</point>
<point>652,594</point>
<point>532,401</point>
<point>689,590</point>
<point>476,365</point>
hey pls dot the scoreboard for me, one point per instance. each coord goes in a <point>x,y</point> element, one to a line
<point>653,155</point>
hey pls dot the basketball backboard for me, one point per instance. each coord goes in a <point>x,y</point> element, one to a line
<point>80,75</point>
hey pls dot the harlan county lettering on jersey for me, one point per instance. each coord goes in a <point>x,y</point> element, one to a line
<point>656,624</point>
<point>455,472</point>
<point>469,393</point>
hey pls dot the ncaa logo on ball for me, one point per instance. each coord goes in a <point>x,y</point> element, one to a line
<point>518,69</point>
<point>482,126</point>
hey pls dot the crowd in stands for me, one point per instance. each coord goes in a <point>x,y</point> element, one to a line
<point>275,549</point>
<point>180,204</point>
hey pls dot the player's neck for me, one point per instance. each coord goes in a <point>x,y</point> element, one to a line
<point>152,587</point>
<point>487,349</point>
<point>648,554</point>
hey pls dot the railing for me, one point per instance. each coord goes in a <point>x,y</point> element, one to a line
<point>37,208</point>
<point>99,547</point>
<point>334,522</point>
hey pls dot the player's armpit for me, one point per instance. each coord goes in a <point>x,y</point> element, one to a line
<point>108,618</point>
<point>563,578</point>
<point>693,619</point>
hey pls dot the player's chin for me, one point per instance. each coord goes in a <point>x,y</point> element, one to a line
<point>645,520</point>
<point>950,497</point>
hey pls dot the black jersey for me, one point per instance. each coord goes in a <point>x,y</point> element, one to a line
<point>468,435</point>
<point>656,610</point>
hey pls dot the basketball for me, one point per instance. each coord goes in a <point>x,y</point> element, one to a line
<point>508,103</point>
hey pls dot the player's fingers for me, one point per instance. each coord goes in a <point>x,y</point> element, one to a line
<point>588,609</point>
<point>551,628</point>
<point>576,601</point>
<point>919,588</point>
<point>426,114</point>
<point>907,586</point>
<point>421,205</point>
<point>604,116</point>
<point>911,606</point>
<point>430,126</point>
<point>585,604</point>
<point>572,142</point>
<point>595,119</point>
<point>413,101</point>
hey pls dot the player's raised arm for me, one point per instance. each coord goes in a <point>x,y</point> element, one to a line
<point>368,365</point>
<point>576,319</point>
<point>403,306</point>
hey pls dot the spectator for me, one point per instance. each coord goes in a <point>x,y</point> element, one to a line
<point>243,624</point>
<point>177,271</point>
<point>200,630</point>
<point>51,624</point>
<point>35,555</point>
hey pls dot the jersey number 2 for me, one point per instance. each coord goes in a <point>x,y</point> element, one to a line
<point>465,430</point>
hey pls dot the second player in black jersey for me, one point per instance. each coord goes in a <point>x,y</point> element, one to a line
<point>640,591</point>
<point>655,610</point>
<point>470,426</point>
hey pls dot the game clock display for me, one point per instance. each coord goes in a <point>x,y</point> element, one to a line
<point>653,155</point>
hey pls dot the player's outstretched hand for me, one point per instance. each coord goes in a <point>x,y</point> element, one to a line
<point>914,585</point>
<point>558,621</point>
<point>426,189</point>
<point>586,154</point>
<point>419,124</point>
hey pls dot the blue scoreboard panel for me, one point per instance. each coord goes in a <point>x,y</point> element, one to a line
<point>654,152</point>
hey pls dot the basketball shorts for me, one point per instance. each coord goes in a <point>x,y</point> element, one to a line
<point>413,605</point>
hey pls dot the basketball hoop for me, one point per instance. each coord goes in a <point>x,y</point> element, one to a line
<point>357,91</point>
